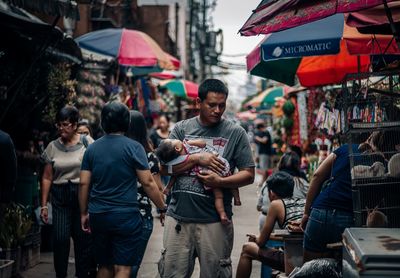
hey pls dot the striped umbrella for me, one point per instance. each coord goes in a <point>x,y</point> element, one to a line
<point>129,47</point>
<point>266,99</point>
<point>181,87</point>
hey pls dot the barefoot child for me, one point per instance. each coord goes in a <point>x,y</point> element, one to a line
<point>170,149</point>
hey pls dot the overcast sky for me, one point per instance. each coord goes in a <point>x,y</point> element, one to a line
<point>230,15</point>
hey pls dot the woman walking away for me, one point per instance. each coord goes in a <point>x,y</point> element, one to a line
<point>138,131</point>
<point>111,167</point>
<point>63,158</point>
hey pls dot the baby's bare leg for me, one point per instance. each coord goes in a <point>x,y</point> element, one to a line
<point>171,182</point>
<point>219,206</point>
<point>236,197</point>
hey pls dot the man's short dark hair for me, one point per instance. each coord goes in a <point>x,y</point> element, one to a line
<point>212,85</point>
<point>68,113</point>
<point>281,183</point>
<point>115,117</point>
<point>166,151</point>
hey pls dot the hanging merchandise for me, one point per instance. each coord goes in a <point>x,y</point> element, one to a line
<point>295,135</point>
<point>367,113</point>
<point>169,101</point>
<point>327,119</point>
<point>302,108</point>
<point>91,95</point>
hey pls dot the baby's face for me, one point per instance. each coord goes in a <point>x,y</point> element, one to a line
<point>178,145</point>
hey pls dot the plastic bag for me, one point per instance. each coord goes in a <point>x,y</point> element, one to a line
<point>318,268</point>
<point>50,214</point>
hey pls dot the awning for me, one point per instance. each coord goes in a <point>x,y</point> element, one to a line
<point>63,8</point>
<point>35,33</point>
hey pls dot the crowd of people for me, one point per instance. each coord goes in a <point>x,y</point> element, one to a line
<point>101,191</point>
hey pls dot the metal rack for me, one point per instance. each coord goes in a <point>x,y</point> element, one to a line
<point>371,102</point>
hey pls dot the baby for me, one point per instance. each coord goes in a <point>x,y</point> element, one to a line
<point>170,149</point>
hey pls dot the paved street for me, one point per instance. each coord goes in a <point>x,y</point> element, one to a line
<point>245,220</point>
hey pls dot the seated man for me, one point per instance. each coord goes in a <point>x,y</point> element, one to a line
<point>283,208</point>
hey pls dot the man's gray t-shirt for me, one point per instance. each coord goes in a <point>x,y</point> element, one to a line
<point>190,202</point>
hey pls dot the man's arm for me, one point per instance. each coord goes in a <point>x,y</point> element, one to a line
<point>259,139</point>
<point>83,198</point>
<point>197,142</point>
<point>243,177</point>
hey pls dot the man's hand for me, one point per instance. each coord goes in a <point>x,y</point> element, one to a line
<point>209,178</point>
<point>212,162</point>
<point>252,238</point>
<point>85,223</point>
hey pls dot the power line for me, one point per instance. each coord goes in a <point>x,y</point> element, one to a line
<point>234,55</point>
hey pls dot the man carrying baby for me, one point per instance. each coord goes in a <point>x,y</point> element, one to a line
<point>171,150</point>
<point>192,226</point>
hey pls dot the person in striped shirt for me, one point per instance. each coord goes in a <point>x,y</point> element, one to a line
<point>283,210</point>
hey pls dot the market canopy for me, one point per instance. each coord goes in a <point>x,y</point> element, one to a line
<point>375,20</point>
<point>62,8</point>
<point>273,16</point>
<point>33,34</point>
<point>318,53</point>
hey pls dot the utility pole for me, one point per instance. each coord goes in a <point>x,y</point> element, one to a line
<point>202,34</point>
<point>177,99</point>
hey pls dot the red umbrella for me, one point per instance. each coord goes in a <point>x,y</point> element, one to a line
<point>182,88</point>
<point>318,53</point>
<point>272,16</point>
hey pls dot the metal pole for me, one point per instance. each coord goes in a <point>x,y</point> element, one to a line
<point>391,22</point>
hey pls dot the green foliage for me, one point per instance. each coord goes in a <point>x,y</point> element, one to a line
<point>288,123</point>
<point>15,224</point>
<point>60,90</point>
<point>288,108</point>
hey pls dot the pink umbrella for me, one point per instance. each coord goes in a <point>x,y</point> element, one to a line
<point>375,20</point>
<point>273,16</point>
<point>129,47</point>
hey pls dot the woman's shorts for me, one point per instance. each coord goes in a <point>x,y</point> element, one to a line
<point>325,226</point>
